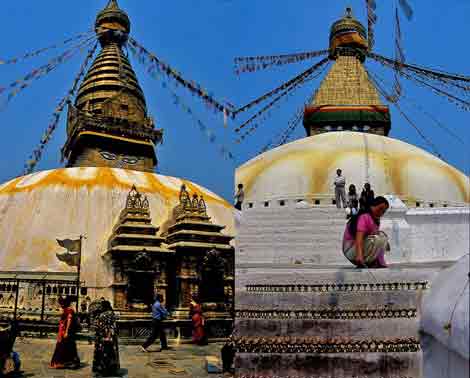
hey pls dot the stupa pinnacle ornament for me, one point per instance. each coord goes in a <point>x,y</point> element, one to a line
<point>347,32</point>
<point>108,124</point>
<point>347,100</point>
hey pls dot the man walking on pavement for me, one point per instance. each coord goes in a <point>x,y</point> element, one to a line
<point>340,192</point>
<point>159,313</point>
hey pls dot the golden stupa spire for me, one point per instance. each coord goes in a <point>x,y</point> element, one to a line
<point>108,124</point>
<point>113,4</point>
<point>346,98</point>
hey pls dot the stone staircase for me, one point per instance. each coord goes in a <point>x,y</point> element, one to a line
<point>330,322</point>
<point>264,234</point>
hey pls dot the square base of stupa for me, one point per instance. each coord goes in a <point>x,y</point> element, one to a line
<point>324,321</point>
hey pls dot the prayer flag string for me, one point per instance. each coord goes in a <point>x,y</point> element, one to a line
<point>288,91</point>
<point>406,8</point>
<point>399,60</point>
<point>404,115</point>
<point>40,51</point>
<point>36,155</point>
<point>295,121</point>
<point>285,134</point>
<point>23,83</point>
<point>155,72</point>
<point>281,87</point>
<point>209,133</point>
<point>371,21</point>
<point>426,113</point>
<point>256,63</point>
<point>143,54</point>
<point>434,73</point>
<point>423,77</point>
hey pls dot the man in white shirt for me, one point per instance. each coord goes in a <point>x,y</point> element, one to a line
<point>340,191</point>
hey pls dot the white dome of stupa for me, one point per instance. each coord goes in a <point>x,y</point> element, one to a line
<point>306,168</point>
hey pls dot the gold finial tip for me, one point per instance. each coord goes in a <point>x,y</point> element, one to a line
<point>112,4</point>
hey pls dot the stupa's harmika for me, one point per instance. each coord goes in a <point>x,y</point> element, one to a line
<point>143,233</point>
<point>301,309</point>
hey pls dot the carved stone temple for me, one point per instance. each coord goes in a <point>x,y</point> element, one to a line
<point>191,259</point>
<point>144,233</point>
<point>302,310</point>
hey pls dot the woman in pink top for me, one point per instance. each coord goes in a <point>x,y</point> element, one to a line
<point>363,243</point>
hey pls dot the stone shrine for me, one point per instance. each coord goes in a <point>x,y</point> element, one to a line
<point>139,261</point>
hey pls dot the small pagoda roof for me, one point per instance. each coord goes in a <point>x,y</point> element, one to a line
<point>138,248</point>
<point>128,241</point>
<point>191,211</point>
<point>137,236</point>
<point>191,224</point>
<point>201,233</point>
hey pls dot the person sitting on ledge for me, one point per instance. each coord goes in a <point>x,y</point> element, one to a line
<point>352,209</point>
<point>352,195</point>
<point>364,244</point>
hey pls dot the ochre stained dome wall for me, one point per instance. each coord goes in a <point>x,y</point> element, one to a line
<point>307,167</point>
<point>37,209</point>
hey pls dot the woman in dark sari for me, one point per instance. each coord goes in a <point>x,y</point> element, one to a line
<point>9,360</point>
<point>199,334</point>
<point>106,355</point>
<point>65,354</point>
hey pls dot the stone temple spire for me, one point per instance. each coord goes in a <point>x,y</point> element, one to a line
<point>108,124</point>
<point>347,100</point>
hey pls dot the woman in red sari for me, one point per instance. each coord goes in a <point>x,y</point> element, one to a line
<point>199,335</point>
<point>65,354</point>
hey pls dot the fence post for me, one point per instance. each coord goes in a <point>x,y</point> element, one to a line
<point>16,297</point>
<point>43,305</point>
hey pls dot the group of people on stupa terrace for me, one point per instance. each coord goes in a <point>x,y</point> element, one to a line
<point>364,244</point>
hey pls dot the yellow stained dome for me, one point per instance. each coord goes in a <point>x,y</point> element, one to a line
<point>64,203</point>
<point>307,167</point>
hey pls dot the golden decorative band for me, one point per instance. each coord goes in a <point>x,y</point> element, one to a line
<point>287,344</point>
<point>336,287</point>
<point>377,313</point>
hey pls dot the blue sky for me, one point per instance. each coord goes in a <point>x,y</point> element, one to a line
<point>200,38</point>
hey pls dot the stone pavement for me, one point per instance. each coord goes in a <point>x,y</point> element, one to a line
<point>183,360</point>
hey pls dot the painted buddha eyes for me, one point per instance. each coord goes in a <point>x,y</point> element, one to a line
<point>131,160</point>
<point>108,155</point>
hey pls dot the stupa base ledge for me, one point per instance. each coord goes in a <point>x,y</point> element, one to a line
<point>303,278</point>
<point>337,365</point>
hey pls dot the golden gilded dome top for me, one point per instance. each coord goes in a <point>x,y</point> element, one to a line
<point>112,24</point>
<point>342,30</point>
